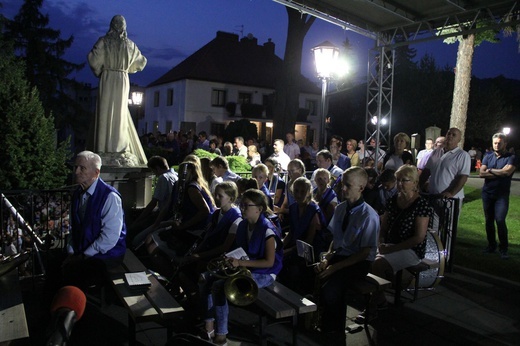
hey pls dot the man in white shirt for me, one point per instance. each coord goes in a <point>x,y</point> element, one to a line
<point>281,157</point>
<point>241,149</point>
<point>291,148</point>
<point>448,168</point>
<point>423,155</point>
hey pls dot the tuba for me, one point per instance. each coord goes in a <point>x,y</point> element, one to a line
<point>240,288</point>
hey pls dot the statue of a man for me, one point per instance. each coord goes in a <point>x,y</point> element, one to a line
<point>114,136</point>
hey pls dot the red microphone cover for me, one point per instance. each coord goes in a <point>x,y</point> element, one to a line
<point>70,297</point>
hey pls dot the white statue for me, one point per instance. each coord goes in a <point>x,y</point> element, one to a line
<point>114,136</point>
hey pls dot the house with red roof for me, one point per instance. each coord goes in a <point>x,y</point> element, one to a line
<point>227,79</point>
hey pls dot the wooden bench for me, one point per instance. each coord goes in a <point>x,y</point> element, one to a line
<point>367,287</point>
<point>155,304</point>
<point>279,302</point>
<point>416,271</point>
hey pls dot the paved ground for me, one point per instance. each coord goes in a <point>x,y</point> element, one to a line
<point>467,307</point>
<point>475,181</point>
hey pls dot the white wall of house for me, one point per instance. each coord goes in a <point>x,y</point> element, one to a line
<point>192,102</point>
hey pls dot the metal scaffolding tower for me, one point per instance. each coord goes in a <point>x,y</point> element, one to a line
<point>378,125</point>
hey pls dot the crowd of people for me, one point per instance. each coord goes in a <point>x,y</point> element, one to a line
<point>359,211</point>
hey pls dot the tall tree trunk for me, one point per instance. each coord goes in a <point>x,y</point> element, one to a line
<point>459,106</point>
<point>288,86</point>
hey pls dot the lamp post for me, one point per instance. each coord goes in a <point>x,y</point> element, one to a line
<point>326,56</point>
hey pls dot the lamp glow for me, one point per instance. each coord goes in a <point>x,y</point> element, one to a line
<point>326,57</point>
<point>137,98</point>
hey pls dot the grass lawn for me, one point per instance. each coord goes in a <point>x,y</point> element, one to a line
<point>471,238</point>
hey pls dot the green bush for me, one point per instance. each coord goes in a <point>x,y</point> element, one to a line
<point>204,153</point>
<point>237,164</point>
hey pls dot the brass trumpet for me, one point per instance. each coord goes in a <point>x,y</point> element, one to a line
<point>240,288</point>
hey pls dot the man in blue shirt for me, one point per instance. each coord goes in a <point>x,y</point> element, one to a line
<point>497,168</point>
<point>354,228</point>
<point>98,233</point>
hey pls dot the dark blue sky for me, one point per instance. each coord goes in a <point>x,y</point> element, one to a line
<point>168,31</point>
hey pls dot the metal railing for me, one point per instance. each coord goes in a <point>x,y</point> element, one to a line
<point>34,221</point>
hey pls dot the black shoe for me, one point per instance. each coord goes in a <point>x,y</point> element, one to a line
<point>504,255</point>
<point>489,249</point>
<point>362,318</point>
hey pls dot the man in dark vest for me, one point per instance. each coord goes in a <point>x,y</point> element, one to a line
<point>98,233</point>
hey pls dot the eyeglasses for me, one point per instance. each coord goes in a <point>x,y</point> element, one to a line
<point>245,206</point>
<point>403,180</point>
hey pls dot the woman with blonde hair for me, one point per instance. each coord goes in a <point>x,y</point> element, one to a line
<point>253,156</point>
<point>398,156</point>
<point>192,206</point>
<point>351,152</point>
<point>402,239</point>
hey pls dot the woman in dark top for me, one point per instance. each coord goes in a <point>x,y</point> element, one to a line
<point>403,228</point>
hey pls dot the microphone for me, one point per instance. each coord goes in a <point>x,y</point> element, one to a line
<point>67,308</point>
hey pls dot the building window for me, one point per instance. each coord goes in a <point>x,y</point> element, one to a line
<point>169,126</point>
<point>218,98</point>
<point>156,99</point>
<point>265,100</point>
<point>169,97</point>
<point>244,98</point>
<point>311,105</point>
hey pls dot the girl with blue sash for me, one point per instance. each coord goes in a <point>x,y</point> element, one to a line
<point>218,239</point>
<point>324,194</point>
<point>260,173</point>
<point>275,183</point>
<point>261,241</point>
<point>295,169</point>
<point>306,224</point>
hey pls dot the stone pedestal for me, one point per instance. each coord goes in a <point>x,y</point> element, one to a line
<point>133,183</point>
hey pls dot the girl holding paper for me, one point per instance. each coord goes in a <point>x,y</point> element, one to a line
<point>261,241</point>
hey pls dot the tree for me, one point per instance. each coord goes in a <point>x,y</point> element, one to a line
<point>288,86</point>
<point>461,89</point>
<point>42,49</point>
<point>30,159</point>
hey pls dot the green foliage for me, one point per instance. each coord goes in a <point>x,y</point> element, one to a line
<point>471,238</point>
<point>238,164</point>
<point>488,35</point>
<point>42,50</point>
<point>204,153</point>
<point>30,159</point>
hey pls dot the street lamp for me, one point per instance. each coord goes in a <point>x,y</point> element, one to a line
<point>506,131</point>
<point>137,98</point>
<point>326,56</point>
